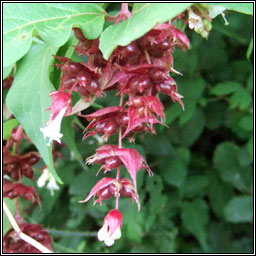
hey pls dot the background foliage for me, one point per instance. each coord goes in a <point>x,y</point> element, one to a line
<point>200,197</point>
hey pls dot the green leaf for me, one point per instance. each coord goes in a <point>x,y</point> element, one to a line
<point>246,123</point>
<point>172,113</point>
<point>83,182</point>
<point>157,199</point>
<point>192,88</point>
<point>195,217</point>
<point>132,222</point>
<point>6,223</point>
<point>226,161</point>
<point>190,132</point>
<point>28,98</point>
<point>241,99</point>
<point>8,127</point>
<point>215,114</point>
<point>52,21</point>
<point>219,194</point>
<point>249,145</point>
<point>246,8</point>
<point>7,70</point>
<point>196,185</point>
<point>174,171</point>
<point>162,145</point>
<point>133,28</point>
<point>190,107</point>
<point>249,50</point>
<point>225,88</point>
<point>68,131</point>
<point>250,83</point>
<point>240,209</point>
<point>244,157</point>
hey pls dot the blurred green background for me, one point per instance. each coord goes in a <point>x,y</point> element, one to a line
<point>200,197</point>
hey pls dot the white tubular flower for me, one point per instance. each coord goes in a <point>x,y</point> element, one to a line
<point>52,130</point>
<point>194,20</point>
<point>47,177</point>
<point>111,229</point>
<point>104,235</point>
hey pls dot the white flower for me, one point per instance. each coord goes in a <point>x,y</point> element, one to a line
<point>194,20</point>
<point>52,130</point>
<point>52,185</point>
<point>104,235</point>
<point>215,10</point>
<point>47,177</point>
<point>43,178</point>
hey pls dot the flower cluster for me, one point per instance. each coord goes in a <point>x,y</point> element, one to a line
<point>14,167</point>
<point>137,72</point>
<point>12,243</point>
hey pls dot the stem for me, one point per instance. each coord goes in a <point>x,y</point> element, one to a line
<point>124,7</point>
<point>23,236</point>
<point>14,147</point>
<point>17,213</point>
<point>71,233</point>
<point>120,146</point>
<point>18,133</point>
<point>73,87</point>
<point>120,130</point>
<point>117,201</point>
<point>147,57</point>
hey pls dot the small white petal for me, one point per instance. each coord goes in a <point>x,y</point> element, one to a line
<point>178,95</point>
<point>52,130</point>
<point>6,177</point>
<point>117,234</point>
<point>43,178</point>
<point>216,10</point>
<point>194,20</point>
<point>103,233</point>
<point>109,241</point>
<point>52,185</point>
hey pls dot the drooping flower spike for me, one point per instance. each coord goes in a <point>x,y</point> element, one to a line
<point>138,72</point>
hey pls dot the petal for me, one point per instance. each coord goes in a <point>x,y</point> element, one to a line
<point>114,220</point>
<point>43,178</point>
<point>52,185</point>
<point>109,241</point>
<point>117,234</point>
<point>106,181</point>
<point>103,233</point>
<point>104,111</point>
